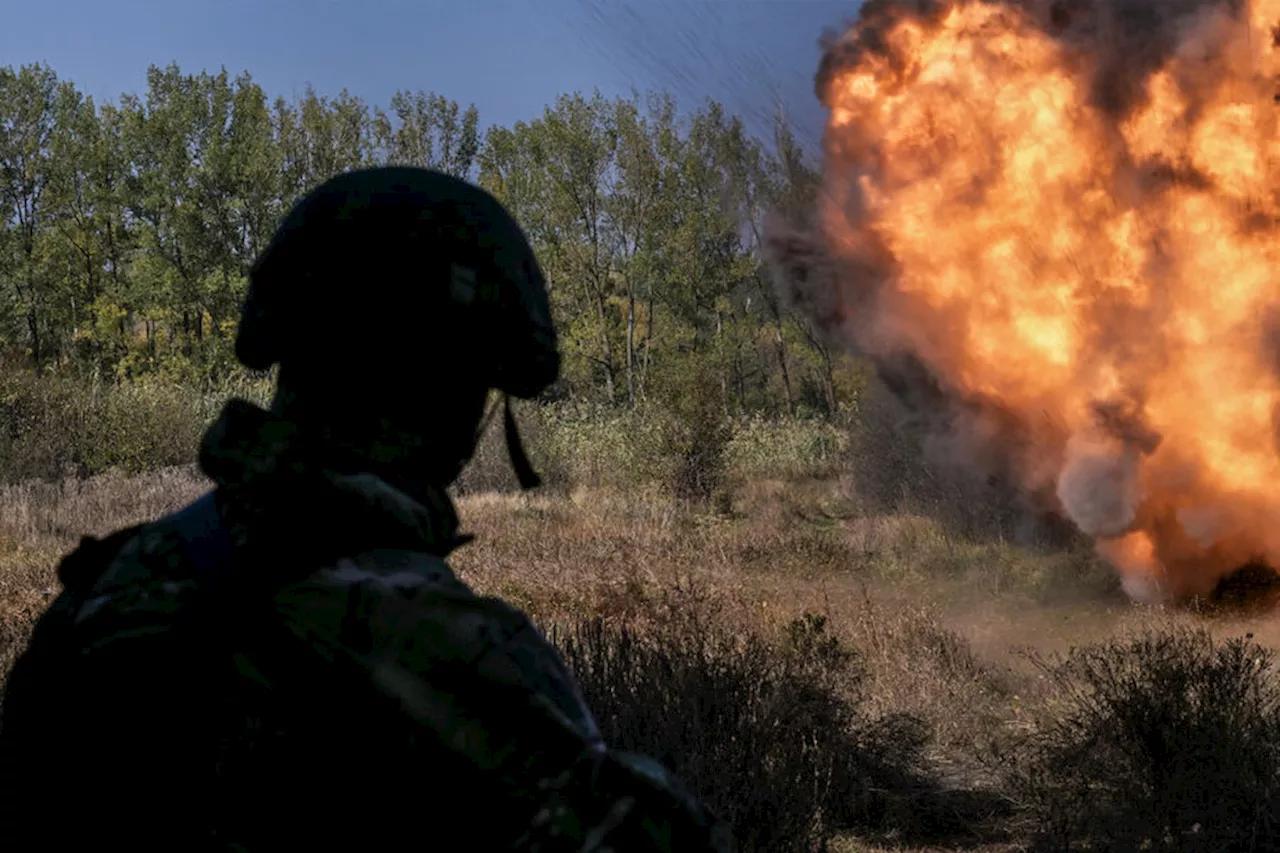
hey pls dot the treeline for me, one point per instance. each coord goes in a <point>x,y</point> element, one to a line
<point>127,229</point>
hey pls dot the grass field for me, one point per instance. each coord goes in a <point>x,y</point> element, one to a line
<point>901,678</point>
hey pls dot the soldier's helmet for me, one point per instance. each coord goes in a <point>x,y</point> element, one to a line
<point>399,267</point>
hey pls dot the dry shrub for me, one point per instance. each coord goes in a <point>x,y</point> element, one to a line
<point>766,731</point>
<point>40,423</point>
<point>697,441</point>
<point>1166,741</point>
<point>694,429</point>
<point>795,448</point>
<point>920,662</point>
<point>571,444</point>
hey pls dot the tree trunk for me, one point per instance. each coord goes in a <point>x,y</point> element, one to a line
<point>605,346</point>
<point>829,383</point>
<point>741,381</point>
<point>113,258</point>
<point>33,328</point>
<point>827,371</point>
<point>648,346</point>
<point>781,347</point>
<point>631,348</point>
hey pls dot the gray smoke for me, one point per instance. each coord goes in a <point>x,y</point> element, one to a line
<point>1099,485</point>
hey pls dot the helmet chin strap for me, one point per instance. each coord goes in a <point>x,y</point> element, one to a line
<point>528,477</point>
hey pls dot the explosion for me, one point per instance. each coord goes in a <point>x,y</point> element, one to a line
<point>1057,224</point>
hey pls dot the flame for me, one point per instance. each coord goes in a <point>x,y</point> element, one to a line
<point>1072,212</point>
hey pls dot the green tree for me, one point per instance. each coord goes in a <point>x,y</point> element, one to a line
<point>639,209</point>
<point>790,191</point>
<point>128,229</point>
<point>167,139</point>
<point>107,169</point>
<point>337,135</point>
<point>705,244</point>
<point>569,156</point>
<point>75,255</point>
<point>28,100</point>
<point>431,132</point>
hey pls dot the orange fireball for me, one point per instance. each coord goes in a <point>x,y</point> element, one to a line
<point>1072,212</point>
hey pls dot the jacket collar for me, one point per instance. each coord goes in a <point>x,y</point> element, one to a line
<point>263,459</point>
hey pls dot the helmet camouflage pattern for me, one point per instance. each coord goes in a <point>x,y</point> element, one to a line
<point>402,264</point>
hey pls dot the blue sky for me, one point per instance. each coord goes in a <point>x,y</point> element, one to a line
<point>509,57</point>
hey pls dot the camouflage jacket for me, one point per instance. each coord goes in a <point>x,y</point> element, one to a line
<point>333,685</point>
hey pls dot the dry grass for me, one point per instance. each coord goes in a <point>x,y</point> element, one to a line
<point>40,522</point>
<point>941,625</point>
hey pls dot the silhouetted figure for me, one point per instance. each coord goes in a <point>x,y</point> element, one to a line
<point>290,663</point>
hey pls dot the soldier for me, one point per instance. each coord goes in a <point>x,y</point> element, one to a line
<point>289,663</point>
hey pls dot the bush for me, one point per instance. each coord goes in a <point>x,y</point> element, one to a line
<point>794,447</point>
<point>52,427</point>
<point>695,434</point>
<point>37,422</point>
<point>1163,742</point>
<point>764,731</point>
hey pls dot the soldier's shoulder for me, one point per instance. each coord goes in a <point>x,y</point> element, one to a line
<point>140,554</point>
<point>391,570</point>
<point>378,586</point>
<point>86,565</point>
<point>138,565</point>
<point>424,630</point>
